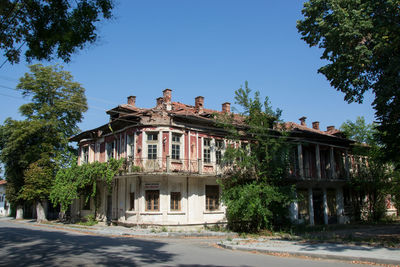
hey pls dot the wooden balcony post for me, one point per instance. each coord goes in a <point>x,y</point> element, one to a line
<point>318,161</point>
<point>332,161</point>
<point>300,158</point>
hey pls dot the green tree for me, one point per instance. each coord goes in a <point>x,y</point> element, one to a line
<point>254,189</point>
<point>40,142</point>
<point>360,40</point>
<point>372,176</point>
<point>83,181</point>
<point>359,131</point>
<point>49,27</point>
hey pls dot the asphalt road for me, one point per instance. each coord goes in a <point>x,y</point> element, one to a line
<point>29,245</point>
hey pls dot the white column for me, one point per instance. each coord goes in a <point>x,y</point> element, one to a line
<point>318,161</point>
<point>294,209</point>
<point>340,205</point>
<point>310,206</point>
<point>325,203</point>
<point>300,158</point>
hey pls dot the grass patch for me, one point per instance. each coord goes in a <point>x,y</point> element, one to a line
<point>88,220</point>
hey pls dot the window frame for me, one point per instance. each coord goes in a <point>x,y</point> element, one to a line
<point>212,195</point>
<point>152,196</point>
<point>207,150</point>
<point>110,147</point>
<point>175,201</point>
<point>152,145</point>
<point>85,154</point>
<point>219,151</point>
<point>130,145</point>
<point>176,146</point>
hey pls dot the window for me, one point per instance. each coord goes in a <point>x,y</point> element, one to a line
<point>152,200</point>
<point>131,146</point>
<point>152,145</point>
<point>176,146</point>
<point>152,151</point>
<point>86,203</point>
<point>212,197</point>
<point>110,150</point>
<point>175,201</point>
<point>85,154</point>
<point>132,201</point>
<point>207,150</point>
<point>152,136</point>
<point>219,144</point>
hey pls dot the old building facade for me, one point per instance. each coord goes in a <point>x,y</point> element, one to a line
<point>173,158</point>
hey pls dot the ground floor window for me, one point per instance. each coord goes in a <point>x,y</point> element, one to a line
<point>86,203</point>
<point>132,201</point>
<point>152,200</point>
<point>175,201</point>
<point>212,197</point>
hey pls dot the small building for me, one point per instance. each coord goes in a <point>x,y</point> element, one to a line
<point>173,158</point>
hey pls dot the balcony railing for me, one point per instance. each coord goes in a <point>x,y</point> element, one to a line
<point>168,165</point>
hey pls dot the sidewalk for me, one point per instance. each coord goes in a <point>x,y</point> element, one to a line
<point>379,255</point>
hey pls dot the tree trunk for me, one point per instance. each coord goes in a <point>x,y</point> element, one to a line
<point>20,212</point>
<point>41,211</point>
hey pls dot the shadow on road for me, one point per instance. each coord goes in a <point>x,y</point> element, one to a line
<point>22,247</point>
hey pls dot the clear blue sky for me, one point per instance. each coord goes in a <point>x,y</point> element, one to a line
<point>206,48</point>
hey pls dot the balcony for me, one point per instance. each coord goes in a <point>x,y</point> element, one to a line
<point>168,165</point>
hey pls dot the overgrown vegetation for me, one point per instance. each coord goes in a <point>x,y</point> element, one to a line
<point>75,181</point>
<point>374,178</point>
<point>254,189</point>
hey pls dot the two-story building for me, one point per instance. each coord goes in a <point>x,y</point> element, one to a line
<point>173,158</point>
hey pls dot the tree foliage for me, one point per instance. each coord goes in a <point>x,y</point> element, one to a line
<point>359,131</point>
<point>76,181</point>
<point>254,189</point>
<point>40,142</point>
<point>49,28</point>
<point>372,176</point>
<point>360,40</point>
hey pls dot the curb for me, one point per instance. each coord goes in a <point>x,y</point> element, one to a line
<point>313,255</point>
<point>110,232</point>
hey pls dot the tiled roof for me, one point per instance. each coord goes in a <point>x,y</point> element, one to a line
<point>293,125</point>
<point>3,182</point>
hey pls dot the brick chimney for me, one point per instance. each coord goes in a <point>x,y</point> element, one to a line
<point>330,128</point>
<point>226,107</point>
<point>199,104</point>
<point>315,125</point>
<point>160,101</point>
<point>131,100</point>
<point>167,98</point>
<point>303,121</point>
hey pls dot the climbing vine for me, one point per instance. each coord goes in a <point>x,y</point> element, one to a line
<point>76,181</point>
